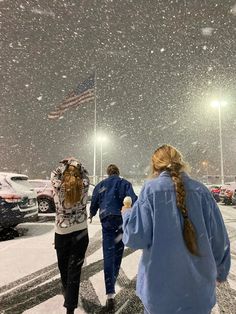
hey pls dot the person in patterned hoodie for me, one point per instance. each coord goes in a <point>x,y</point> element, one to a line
<point>70,185</point>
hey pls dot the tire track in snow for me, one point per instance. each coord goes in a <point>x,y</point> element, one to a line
<point>46,286</point>
<point>42,285</point>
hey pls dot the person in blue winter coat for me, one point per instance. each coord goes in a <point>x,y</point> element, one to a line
<point>179,227</point>
<point>108,196</point>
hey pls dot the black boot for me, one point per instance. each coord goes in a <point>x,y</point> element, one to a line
<point>70,311</point>
<point>110,305</point>
<point>63,291</point>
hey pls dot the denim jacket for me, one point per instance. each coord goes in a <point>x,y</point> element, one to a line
<point>170,279</point>
<point>109,194</point>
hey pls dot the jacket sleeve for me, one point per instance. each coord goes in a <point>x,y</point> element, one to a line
<point>138,223</point>
<point>219,242</point>
<point>130,192</point>
<point>56,176</point>
<point>94,202</point>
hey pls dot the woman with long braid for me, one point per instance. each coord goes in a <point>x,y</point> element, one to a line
<point>179,226</point>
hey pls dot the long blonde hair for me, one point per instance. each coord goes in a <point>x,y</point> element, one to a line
<point>73,186</point>
<point>168,158</point>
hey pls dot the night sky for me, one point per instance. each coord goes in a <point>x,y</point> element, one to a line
<point>159,65</point>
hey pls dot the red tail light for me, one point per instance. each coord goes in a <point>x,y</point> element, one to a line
<point>11,198</point>
<point>215,190</point>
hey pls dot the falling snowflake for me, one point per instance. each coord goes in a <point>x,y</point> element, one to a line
<point>43,12</point>
<point>207,31</point>
<point>233,10</point>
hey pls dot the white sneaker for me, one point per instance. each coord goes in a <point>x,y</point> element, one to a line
<point>111,295</point>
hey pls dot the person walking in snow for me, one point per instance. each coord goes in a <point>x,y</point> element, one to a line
<point>70,184</point>
<point>108,196</point>
<point>179,227</point>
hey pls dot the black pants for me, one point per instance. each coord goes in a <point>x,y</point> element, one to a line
<point>71,250</point>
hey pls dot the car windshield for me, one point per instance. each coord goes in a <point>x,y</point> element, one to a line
<point>21,180</point>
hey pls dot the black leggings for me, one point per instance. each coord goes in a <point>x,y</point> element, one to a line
<point>71,250</point>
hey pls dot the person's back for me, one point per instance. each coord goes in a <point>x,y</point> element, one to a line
<point>108,197</point>
<point>70,182</point>
<point>109,194</point>
<point>177,274</point>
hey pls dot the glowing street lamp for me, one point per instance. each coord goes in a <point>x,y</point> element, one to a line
<point>205,166</point>
<point>101,139</point>
<point>218,104</point>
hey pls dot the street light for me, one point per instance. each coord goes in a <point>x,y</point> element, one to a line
<point>205,165</point>
<point>101,139</point>
<point>218,104</point>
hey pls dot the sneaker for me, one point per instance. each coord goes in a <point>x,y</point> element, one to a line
<point>110,305</point>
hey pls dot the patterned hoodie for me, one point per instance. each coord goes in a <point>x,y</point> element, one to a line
<point>75,218</point>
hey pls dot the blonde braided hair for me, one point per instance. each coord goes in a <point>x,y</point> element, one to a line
<point>168,158</point>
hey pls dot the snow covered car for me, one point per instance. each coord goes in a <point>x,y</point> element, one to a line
<point>223,189</point>
<point>215,191</point>
<point>18,201</point>
<point>229,192</point>
<point>234,198</point>
<point>44,191</point>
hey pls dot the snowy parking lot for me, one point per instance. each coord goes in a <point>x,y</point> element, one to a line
<point>30,280</point>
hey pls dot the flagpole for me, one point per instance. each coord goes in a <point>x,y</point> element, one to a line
<point>95,128</point>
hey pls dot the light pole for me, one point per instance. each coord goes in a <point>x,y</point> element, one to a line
<point>101,139</point>
<point>205,165</point>
<point>218,104</point>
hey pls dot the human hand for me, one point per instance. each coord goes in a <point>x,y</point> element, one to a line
<point>127,204</point>
<point>124,209</point>
<point>127,201</point>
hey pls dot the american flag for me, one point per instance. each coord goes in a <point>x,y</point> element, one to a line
<point>83,93</point>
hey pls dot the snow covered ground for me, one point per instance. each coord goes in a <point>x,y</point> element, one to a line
<point>30,284</point>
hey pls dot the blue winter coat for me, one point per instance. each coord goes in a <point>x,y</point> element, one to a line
<point>109,194</point>
<point>170,279</point>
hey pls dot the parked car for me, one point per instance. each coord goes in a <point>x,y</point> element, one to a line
<point>229,192</point>
<point>215,191</point>
<point>223,188</point>
<point>234,198</point>
<point>18,201</point>
<point>44,191</point>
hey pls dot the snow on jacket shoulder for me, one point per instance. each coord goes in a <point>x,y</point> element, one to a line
<point>109,194</point>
